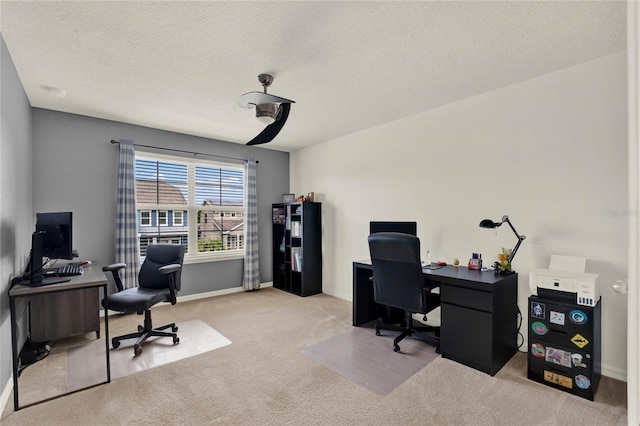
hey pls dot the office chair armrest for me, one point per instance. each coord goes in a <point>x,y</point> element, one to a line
<point>168,269</point>
<point>114,268</point>
<point>431,284</point>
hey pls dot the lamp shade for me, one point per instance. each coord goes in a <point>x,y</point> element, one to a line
<point>488,223</point>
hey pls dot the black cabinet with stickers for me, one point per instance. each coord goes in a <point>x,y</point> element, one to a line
<point>564,345</point>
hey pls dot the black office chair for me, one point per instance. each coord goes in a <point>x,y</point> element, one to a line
<point>398,282</point>
<point>158,281</point>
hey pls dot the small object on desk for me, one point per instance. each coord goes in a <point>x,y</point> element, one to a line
<point>476,261</point>
<point>432,266</point>
<point>85,263</point>
<point>441,263</point>
<point>503,259</point>
<point>456,262</point>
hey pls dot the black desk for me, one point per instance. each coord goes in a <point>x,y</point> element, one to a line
<point>20,296</point>
<point>479,313</point>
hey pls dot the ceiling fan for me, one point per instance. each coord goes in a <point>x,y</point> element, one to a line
<point>270,109</point>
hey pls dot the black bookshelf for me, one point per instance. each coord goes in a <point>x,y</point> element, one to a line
<point>297,247</point>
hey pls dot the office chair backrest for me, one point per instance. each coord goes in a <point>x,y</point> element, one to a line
<point>398,280</point>
<point>159,255</point>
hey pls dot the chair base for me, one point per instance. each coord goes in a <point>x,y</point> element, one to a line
<point>407,329</point>
<point>146,331</point>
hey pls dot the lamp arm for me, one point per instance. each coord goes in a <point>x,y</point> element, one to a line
<point>515,249</point>
<point>506,219</point>
<point>520,237</point>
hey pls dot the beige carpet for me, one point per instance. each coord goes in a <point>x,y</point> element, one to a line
<point>86,364</point>
<point>369,360</point>
<point>263,379</point>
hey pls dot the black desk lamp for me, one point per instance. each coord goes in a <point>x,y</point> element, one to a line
<point>488,223</point>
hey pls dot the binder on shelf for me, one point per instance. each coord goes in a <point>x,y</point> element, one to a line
<point>295,229</point>
<point>296,259</point>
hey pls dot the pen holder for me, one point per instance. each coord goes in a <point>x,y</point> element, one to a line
<point>475,262</point>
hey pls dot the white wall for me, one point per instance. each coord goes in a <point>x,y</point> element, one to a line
<point>550,152</point>
<point>633,321</point>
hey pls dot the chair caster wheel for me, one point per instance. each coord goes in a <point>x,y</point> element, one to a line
<point>176,340</point>
<point>115,344</point>
<point>396,348</point>
<point>377,332</point>
<point>140,328</point>
<point>174,328</point>
<point>137,350</point>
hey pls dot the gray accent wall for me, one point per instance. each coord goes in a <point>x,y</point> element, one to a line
<point>16,215</point>
<point>74,169</point>
<point>55,161</point>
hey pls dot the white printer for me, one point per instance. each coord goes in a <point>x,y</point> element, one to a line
<point>566,274</point>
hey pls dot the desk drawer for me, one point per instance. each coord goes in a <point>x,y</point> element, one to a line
<point>58,315</point>
<point>465,297</point>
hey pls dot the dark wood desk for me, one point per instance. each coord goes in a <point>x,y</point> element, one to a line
<point>479,313</point>
<point>21,296</point>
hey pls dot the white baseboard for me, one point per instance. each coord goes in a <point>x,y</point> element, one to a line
<point>613,372</point>
<point>217,293</point>
<point>344,296</point>
<point>206,295</point>
<point>6,393</point>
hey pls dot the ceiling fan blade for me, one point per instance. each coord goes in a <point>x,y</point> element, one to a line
<point>256,98</point>
<point>274,128</point>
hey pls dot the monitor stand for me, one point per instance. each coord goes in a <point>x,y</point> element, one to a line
<point>47,281</point>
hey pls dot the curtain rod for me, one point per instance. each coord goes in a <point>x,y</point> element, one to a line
<point>113,141</point>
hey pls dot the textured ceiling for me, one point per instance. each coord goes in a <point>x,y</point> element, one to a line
<point>181,66</point>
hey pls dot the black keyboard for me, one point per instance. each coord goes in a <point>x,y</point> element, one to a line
<point>69,270</point>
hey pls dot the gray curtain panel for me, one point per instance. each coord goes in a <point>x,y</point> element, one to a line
<point>127,244</point>
<point>251,276</point>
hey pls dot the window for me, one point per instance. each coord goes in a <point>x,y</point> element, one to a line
<point>194,202</point>
<point>145,218</point>
<point>177,218</point>
<point>162,218</point>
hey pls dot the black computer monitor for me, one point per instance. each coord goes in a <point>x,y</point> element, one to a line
<point>36,263</point>
<point>35,260</point>
<point>402,227</point>
<point>57,240</point>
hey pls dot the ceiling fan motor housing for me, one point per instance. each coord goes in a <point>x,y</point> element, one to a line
<point>267,112</point>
